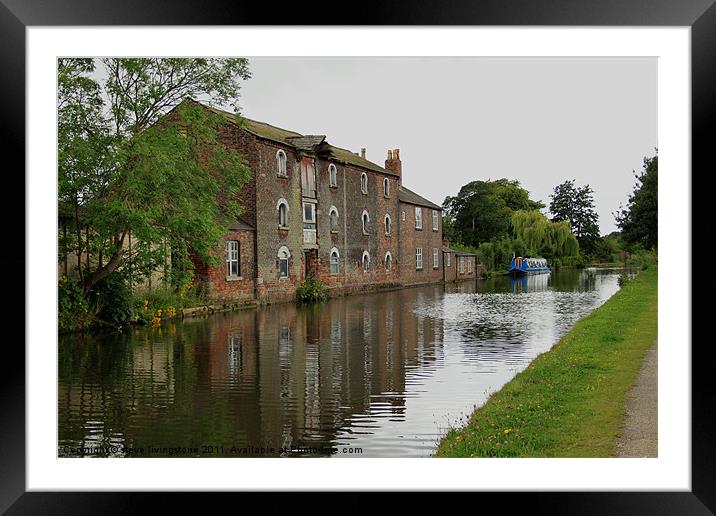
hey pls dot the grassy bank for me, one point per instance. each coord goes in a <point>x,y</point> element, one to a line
<point>570,401</point>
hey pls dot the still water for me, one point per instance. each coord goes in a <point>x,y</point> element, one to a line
<point>375,375</point>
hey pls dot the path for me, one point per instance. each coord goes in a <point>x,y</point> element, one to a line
<point>639,435</point>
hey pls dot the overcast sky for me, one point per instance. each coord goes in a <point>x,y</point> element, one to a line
<point>538,120</point>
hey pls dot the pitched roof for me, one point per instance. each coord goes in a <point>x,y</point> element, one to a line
<point>310,143</point>
<point>410,197</point>
<point>241,225</point>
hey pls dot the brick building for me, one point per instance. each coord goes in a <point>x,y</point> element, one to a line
<point>315,209</point>
<point>458,265</point>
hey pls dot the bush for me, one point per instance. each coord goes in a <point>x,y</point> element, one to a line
<point>641,259</point>
<point>311,290</point>
<point>113,301</point>
<point>574,261</point>
<point>624,278</point>
<point>73,311</point>
<point>155,306</point>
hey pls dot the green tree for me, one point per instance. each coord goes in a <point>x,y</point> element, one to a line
<point>120,170</point>
<point>482,210</point>
<point>575,205</point>
<point>639,220</point>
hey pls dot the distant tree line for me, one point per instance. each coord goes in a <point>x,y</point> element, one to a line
<point>497,220</point>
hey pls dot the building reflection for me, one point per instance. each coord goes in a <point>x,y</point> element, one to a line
<point>280,376</point>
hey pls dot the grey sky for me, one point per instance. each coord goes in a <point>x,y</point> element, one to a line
<point>538,120</point>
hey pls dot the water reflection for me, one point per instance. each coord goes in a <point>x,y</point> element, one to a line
<point>386,373</point>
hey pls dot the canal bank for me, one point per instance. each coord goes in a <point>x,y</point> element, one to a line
<point>570,402</point>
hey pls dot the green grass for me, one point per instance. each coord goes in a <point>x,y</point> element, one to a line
<point>570,401</point>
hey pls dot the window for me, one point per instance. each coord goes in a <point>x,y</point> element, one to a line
<point>366,220</point>
<point>232,258</point>
<point>366,261</point>
<point>332,175</point>
<point>387,224</point>
<point>388,262</point>
<point>282,207</point>
<point>419,258</point>
<point>281,163</point>
<point>447,259</point>
<point>418,218</point>
<point>435,220</point>
<point>234,352</point>
<point>461,264</point>
<point>283,256</point>
<point>334,260</point>
<point>435,257</point>
<point>386,187</point>
<point>469,264</point>
<point>308,178</point>
<point>333,215</point>
<point>309,212</point>
<point>364,183</point>
<point>403,216</point>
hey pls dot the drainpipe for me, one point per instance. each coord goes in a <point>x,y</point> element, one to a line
<point>345,228</point>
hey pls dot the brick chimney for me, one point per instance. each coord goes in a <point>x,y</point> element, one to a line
<point>393,163</point>
<point>362,152</point>
<point>446,242</point>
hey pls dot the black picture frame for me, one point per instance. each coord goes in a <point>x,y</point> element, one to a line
<point>17,15</point>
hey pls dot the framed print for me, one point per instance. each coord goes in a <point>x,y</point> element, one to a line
<point>374,256</point>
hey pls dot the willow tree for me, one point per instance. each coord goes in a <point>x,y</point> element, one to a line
<point>120,171</point>
<point>543,237</point>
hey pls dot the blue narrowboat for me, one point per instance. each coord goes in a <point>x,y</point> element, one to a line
<point>520,266</point>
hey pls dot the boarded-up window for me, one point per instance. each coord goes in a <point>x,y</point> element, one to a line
<point>308,178</point>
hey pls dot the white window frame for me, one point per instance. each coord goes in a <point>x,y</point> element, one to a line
<point>330,219</point>
<point>418,258</point>
<point>418,217</point>
<point>313,212</point>
<point>403,215</point>
<point>364,183</point>
<point>436,260</point>
<point>435,220</point>
<point>283,255</point>
<point>469,264</point>
<point>461,264</point>
<point>386,187</point>
<point>280,202</point>
<point>332,175</point>
<point>447,259</point>
<point>366,254</point>
<point>365,222</point>
<point>232,255</point>
<point>334,251</point>
<point>388,262</point>
<point>281,170</point>
<point>388,223</point>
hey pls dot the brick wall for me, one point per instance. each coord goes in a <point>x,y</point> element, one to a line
<point>412,238</point>
<point>452,273</point>
<point>349,239</point>
<point>221,287</point>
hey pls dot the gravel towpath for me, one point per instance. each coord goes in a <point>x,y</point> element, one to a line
<point>639,435</point>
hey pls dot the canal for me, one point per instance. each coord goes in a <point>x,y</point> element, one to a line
<point>374,375</point>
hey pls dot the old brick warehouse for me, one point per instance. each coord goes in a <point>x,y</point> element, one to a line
<point>311,208</point>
